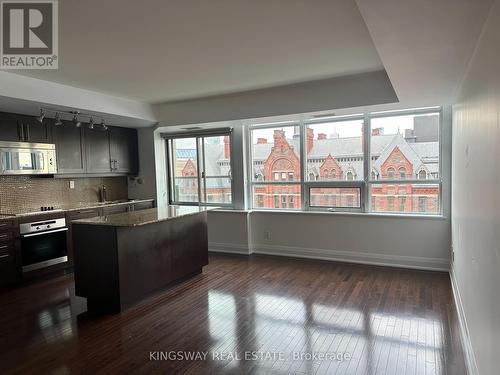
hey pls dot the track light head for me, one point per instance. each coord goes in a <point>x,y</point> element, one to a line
<point>91,123</point>
<point>103,125</point>
<point>41,116</point>
<point>58,119</point>
<point>77,122</point>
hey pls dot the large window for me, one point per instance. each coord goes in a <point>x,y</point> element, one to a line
<point>405,147</point>
<point>378,162</point>
<point>200,169</point>
<point>276,168</point>
<point>334,150</point>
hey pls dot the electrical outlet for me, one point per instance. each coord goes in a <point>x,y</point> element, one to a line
<point>72,184</point>
<point>267,235</point>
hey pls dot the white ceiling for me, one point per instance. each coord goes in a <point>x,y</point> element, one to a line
<point>167,50</point>
<point>425,45</point>
<point>163,51</point>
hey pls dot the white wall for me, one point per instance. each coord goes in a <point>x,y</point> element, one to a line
<point>362,89</point>
<point>371,239</point>
<point>160,149</point>
<point>375,239</point>
<point>414,242</point>
<point>228,232</point>
<point>476,201</point>
<point>25,94</point>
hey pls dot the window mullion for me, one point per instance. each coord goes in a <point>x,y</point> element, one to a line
<point>249,162</point>
<point>171,169</point>
<point>303,166</point>
<point>366,163</point>
<point>204,173</point>
<point>347,160</point>
<point>200,157</point>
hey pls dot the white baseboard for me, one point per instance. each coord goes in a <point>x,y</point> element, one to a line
<point>470,358</point>
<point>421,263</point>
<point>229,248</point>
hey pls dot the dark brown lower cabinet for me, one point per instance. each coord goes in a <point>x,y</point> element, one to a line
<point>117,266</point>
<point>86,213</point>
<point>75,215</point>
<point>10,244</point>
<point>116,209</point>
<point>9,269</point>
<point>143,205</point>
<point>10,259</point>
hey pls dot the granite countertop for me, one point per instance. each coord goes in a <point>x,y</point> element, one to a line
<point>143,217</point>
<point>89,206</point>
<point>69,208</point>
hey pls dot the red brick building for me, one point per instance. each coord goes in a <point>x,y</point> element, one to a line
<point>393,157</point>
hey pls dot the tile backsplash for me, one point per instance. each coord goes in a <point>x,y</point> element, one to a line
<point>20,194</point>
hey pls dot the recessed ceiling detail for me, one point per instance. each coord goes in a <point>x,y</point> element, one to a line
<point>159,51</point>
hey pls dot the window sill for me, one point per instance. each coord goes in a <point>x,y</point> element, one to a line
<point>231,210</point>
<point>338,213</point>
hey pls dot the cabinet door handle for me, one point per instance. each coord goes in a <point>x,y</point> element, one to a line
<point>27,132</point>
<point>4,247</point>
<point>87,212</point>
<point>20,131</point>
<point>4,256</point>
<point>4,235</point>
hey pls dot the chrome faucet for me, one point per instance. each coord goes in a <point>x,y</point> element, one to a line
<point>102,194</point>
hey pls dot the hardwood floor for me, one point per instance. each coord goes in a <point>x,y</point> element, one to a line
<point>379,320</point>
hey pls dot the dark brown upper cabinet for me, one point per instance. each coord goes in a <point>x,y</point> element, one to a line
<point>97,151</point>
<point>35,131</point>
<point>123,150</point>
<point>70,148</point>
<point>80,151</point>
<point>21,128</point>
<point>10,129</point>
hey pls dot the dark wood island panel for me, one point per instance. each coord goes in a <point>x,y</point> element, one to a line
<point>121,259</point>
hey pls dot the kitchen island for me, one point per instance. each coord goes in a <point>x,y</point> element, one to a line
<point>120,259</point>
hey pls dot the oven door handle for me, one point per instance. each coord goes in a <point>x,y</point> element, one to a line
<point>47,232</point>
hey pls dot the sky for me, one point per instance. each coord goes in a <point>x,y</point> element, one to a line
<point>191,142</point>
<point>344,129</point>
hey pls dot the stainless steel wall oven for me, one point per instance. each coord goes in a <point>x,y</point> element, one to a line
<point>43,243</point>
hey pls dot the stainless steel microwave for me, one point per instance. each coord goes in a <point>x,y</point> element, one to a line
<point>21,158</point>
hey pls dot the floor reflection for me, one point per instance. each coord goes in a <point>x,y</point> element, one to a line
<point>377,342</point>
<point>236,308</point>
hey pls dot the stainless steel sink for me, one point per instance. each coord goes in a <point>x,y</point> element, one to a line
<point>112,202</point>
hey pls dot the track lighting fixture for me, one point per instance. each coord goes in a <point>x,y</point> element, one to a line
<point>41,117</point>
<point>58,119</point>
<point>103,125</point>
<point>77,122</point>
<point>76,116</point>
